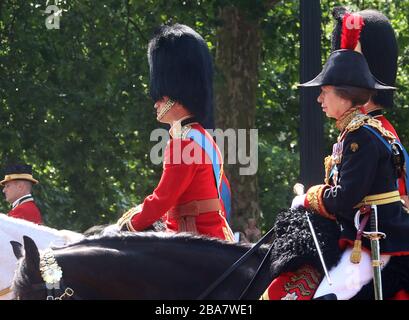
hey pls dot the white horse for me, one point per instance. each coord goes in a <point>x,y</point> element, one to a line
<point>12,229</point>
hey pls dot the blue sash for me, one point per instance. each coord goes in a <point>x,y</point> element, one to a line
<point>388,145</point>
<point>222,186</point>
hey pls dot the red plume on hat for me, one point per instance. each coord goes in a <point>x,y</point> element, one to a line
<point>352,24</point>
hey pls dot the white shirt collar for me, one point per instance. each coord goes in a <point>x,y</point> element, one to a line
<point>15,203</point>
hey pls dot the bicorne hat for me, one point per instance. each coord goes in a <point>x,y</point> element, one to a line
<point>18,172</point>
<point>346,68</point>
<point>377,42</point>
<point>181,68</point>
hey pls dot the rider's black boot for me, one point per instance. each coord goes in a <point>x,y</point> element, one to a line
<point>330,296</point>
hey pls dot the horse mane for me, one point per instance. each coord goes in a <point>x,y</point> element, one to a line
<point>137,237</point>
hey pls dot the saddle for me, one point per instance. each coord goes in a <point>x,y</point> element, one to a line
<point>296,267</point>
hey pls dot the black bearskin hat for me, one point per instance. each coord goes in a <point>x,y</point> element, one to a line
<point>378,45</point>
<point>181,68</point>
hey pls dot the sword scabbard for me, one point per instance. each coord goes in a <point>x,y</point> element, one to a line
<point>374,237</point>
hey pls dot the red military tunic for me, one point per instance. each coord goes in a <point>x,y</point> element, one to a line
<point>181,183</point>
<point>27,211</point>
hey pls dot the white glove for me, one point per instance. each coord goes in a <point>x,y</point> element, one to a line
<point>298,201</point>
<point>111,229</point>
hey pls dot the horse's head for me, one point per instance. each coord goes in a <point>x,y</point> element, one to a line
<point>27,275</point>
<point>12,229</point>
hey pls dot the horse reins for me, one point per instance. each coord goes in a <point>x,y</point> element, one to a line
<point>237,264</point>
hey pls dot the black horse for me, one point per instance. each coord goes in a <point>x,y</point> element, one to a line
<point>163,266</point>
<point>145,266</point>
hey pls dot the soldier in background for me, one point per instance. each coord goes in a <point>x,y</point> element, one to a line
<point>17,185</point>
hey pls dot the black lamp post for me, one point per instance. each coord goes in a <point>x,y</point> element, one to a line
<point>311,116</point>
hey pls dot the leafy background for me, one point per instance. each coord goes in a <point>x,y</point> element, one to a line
<point>74,101</point>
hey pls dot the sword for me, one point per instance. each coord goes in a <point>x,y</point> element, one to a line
<point>374,235</point>
<point>299,190</point>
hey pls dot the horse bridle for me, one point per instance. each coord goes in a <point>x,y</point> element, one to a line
<point>51,273</point>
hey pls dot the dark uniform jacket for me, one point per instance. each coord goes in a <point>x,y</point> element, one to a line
<point>360,166</point>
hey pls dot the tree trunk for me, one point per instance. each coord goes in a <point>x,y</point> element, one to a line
<point>237,60</point>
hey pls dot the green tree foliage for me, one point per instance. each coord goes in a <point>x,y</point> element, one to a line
<point>74,101</point>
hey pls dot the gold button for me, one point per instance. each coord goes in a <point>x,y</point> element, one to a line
<point>354,147</point>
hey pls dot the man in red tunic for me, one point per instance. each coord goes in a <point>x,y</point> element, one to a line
<point>17,185</point>
<point>188,196</point>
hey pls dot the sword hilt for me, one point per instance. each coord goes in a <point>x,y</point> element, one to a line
<point>374,234</point>
<point>374,220</point>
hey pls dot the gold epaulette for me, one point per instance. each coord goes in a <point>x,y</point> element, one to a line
<point>361,120</point>
<point>358,121</point>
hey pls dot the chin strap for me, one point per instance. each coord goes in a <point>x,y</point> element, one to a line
<point>168,105</point>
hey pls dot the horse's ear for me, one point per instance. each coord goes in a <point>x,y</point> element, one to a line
<point>31,253</point>
<point>17,249</point>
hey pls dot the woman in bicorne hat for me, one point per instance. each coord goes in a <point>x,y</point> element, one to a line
<point>376,40</point>
<point>360,172</point>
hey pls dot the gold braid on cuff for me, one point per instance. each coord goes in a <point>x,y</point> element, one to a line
<point>314,199</point>
<point>127,217</point>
